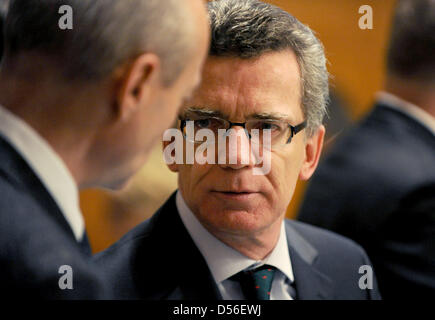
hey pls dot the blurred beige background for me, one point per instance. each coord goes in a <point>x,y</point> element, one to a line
<point>356,63</point>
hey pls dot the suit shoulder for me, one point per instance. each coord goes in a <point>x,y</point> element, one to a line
<point>328,243</point>
<point>128,244</point>
<point>16,206</point>
<point>126,261</point>
<point>339,259</point>
<point>32,249</point>
<point>383,146</point>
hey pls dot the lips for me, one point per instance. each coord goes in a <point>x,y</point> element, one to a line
<point>235,191</point>
<point>239,195</point>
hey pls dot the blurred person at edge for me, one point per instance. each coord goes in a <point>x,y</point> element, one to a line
<point>223,235</point>
<point>82,108</point>
<point>377,186</point>
<point>3,9</point>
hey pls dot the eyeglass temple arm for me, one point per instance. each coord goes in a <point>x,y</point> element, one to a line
<point>299,127</point>
<point>296,129</point>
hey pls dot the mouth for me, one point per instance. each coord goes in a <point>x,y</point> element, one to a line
<point>235,195</point>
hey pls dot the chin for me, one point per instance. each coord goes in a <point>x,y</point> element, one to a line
<point>235,222</point>
<point>120,185</point>
<point>116,185</point>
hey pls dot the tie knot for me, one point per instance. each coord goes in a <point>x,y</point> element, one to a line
<point>257,283</point>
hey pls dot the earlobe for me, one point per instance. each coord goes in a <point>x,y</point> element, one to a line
<point>136,80</point>
<point>313,150</point>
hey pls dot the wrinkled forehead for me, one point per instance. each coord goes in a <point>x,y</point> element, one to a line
<point>238,89</point>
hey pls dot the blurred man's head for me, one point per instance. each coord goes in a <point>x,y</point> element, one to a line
<point>117,78</point>
<point>411,53</point>
<point>267,68</point>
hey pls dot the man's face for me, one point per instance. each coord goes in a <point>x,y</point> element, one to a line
<point>229,198</point>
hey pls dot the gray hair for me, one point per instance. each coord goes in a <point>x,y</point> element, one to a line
<point>249,28</point>
<point>411,53</point>
<point>105,34</point>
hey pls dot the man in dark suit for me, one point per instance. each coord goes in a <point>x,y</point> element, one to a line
<point>223,235</point>
<point>377,186</point>
<point>86,87</point>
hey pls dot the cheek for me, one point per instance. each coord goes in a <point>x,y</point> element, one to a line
<point>184,179</point>
<point>284,174</point>
<point>129,139</point>
<point>191,179</point>
<point>162,119</point>
<point>172,106</point>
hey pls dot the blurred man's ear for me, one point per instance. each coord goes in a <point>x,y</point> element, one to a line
<point>313,150</point>
<point>173,167</point>
<point>137,84</point>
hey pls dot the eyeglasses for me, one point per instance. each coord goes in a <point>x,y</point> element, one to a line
<point>281,132</point>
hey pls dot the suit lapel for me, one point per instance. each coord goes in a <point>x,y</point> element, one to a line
<point>190,277</point>
<point>310,283</point>
<point>16,170</point>
<point>194,279</point>
<point>85,246</point>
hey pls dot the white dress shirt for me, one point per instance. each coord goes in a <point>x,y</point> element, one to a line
<point>224,262</point>
<point>411,110</point>
<point>47,165</point>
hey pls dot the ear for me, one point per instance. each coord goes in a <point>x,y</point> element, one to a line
<point>137,83</point>
<point>174,166</point>
<point>313,150</point>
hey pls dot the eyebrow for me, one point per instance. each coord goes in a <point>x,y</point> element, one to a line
<point>204,111</point>
<point>270,116</point>
<point>201,111</point>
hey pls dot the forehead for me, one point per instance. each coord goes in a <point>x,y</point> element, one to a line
<point>239,88</point>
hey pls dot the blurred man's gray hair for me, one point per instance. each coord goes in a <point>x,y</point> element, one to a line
<point>250,28</point>
<point>105,34</point>
<point>411,54</point>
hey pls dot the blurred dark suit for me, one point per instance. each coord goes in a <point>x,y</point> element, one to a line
<point>158,260</point>
<point>35,239</point>
<point>377,187</point>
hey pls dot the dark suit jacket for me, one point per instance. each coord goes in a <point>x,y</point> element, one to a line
<point>377,187</point>
<point>35,239</point>
<point>159,260</point>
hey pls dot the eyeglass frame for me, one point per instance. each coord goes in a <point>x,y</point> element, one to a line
<point>294,129</point>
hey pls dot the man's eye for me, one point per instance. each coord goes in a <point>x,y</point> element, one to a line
<point>203,123</point>
<point>268,126</point>
<point>209,123</point>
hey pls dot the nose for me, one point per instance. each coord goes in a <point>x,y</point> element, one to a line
<point>235,153</point>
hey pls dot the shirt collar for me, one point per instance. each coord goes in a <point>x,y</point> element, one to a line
<point>408,108</point>
<point>47,165</point>
<point>222,260</point>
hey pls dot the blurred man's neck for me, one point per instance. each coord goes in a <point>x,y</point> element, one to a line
<point>47,111</point>
<point>418,93</point>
